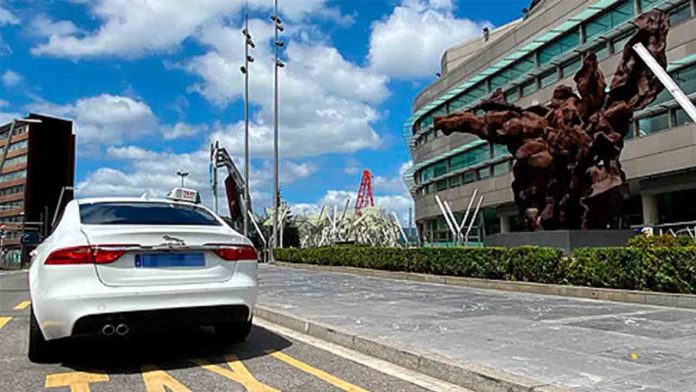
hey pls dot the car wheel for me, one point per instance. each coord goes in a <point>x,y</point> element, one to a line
<point>39,348</point>
<point>233,332</point>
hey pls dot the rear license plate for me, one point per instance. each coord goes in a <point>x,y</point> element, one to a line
<point>163,260</point>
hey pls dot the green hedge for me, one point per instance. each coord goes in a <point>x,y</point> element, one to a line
<point>668,269</point>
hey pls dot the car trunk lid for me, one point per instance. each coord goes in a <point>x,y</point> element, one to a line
<point>162,255</point>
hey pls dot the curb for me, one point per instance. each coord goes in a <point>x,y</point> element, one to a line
<point>687,301</point>
<point>466,374</point>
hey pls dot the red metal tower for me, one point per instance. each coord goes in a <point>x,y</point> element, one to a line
<point>365,197</point>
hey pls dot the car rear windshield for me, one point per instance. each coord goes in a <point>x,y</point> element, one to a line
<point>135,213</point>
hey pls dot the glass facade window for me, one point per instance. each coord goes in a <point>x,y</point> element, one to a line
<point>529,87</point>
<point>652,124</point>
<point>620,14</point>
<point>559,47</point>
<point>646,5</point>
<point>440,169</point>
<point>548,78</point>
<point>455,181</point>
<point>484,173</point>
<point>620,42</point>
<point>18,145</point>
<point>11,205</point>
<point>685,78</point>
<point>681,118</point>
<point>15,161</point>
<point>500,150</point>
<point>501,79</point>
<point>469,177</point>
<point>601,51</point>
<point>512,95</point>
<point>680,14</point>
<point>441,185</point>
<point>12,190</point>
<point>501,168</point>
<point>13,176</point>
<point>570,68</point>
<point>426,174</point>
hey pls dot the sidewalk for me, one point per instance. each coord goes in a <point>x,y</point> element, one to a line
<point>581,344</point>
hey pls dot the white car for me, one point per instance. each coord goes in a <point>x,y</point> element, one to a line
<point>114,266</point>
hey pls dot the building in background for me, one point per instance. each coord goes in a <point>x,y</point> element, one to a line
<point>39,164</point>
<point>528,58</point>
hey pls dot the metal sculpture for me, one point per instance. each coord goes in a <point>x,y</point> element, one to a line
<point>567,173</point>
<point>365,196</point>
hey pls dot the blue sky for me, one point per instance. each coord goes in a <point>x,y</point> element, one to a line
<point>150,83</point>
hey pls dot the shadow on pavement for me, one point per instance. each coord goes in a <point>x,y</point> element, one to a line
<point>167,350</point>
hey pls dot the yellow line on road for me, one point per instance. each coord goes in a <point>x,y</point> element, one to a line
<point>22,305</point>
<point>335,381</point>
<point>4,320</point>
<point>76,381</point>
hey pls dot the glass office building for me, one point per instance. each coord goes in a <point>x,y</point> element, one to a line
<point>527,59</point>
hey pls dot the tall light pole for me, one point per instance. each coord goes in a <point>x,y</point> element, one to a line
<point>278,64</point>
<point>248,43</point>
<point>182,174</point>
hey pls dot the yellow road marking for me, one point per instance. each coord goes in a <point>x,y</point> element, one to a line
<point>157,380</point>
<point>22,305</point>
<point>239,373</point>
<point>4,320</point>
<point>77,381</point>
<point>335,381</point>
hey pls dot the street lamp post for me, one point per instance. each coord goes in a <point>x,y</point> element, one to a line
<point>248,43</point>
<point>278,64</point>
<point>182,174</point>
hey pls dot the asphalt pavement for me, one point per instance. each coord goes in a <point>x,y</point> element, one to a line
<point>585,345</point>
<point>187,360</point>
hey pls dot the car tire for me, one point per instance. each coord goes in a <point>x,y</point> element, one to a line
<point>39,349</point>
<point>233,332</point>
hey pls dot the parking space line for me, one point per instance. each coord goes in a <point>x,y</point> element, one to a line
<point>22,305</point>
<point>157,380</point>
<point>4,320</point>
<point>335,381</point>
<point>237,372</point>
<point>76,381</point>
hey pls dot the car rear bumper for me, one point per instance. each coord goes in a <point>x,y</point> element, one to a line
<point>148,320</point>
<point>59,306</point>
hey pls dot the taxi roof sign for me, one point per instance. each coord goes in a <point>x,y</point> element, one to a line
<point>184,194</point>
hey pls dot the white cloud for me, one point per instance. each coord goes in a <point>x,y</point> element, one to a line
<point>6,117</point>
<point>4,103</point>
<point>7,17</point>
<point>104,119</point>
<point>154,173</point>
<point>135,28</point>
<point>44,26</point>
<point>410,41</point>
<point>183,130</point>
<point>11,79</point>
<point>327,103</point>
<point>392,184</point>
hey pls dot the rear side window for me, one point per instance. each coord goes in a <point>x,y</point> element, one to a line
<point>135,213</point>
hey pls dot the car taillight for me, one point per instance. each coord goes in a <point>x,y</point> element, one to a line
<point>234,253</point>
<point>105,255</point>
<point>74,255</point>
<point>84,255</point>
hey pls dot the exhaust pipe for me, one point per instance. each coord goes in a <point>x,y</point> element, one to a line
<point>122,330</point>
<point>108,330</point>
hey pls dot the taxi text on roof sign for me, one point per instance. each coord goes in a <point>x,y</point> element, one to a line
<point>183,194</point>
